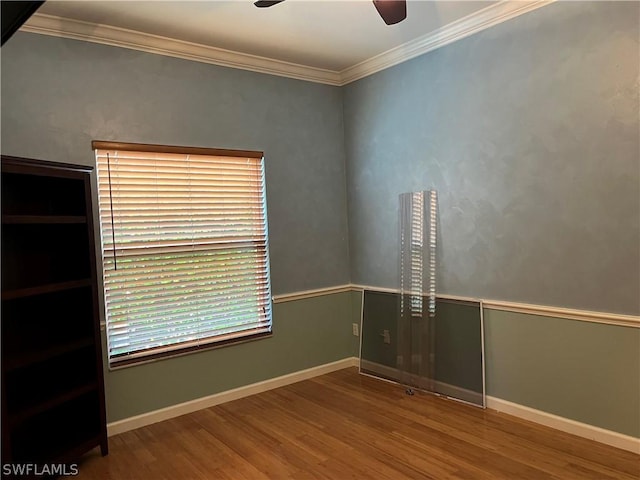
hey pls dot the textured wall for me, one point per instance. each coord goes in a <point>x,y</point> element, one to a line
<point>529,132</point>
<point>584,371</point>
<point>58,95</point>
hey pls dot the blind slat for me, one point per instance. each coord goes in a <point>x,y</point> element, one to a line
<point>257,292</point>
<point>182,162</point>
<point>177,324</point>
<point>186,282</point>
<point>224,243</point>
<point>217,178</point>
<point>198,255</point>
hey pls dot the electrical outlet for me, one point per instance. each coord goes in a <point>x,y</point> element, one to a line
<point>386,336</point>
<point>355,329</point>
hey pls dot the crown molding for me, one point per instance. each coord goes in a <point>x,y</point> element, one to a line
<point>459,29</point>
<point>145,42</point>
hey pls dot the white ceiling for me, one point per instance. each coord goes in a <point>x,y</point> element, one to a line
<point>327,41</point>
<point>327,34</point>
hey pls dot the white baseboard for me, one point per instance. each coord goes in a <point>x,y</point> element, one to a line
<point>584,430</point>
<point>131,423</point>
<point>580,429</point>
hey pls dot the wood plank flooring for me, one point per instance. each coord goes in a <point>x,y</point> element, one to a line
<point>347,426</point>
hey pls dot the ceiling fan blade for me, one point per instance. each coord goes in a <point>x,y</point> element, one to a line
<point>391,11</point>
<point>267,3</point>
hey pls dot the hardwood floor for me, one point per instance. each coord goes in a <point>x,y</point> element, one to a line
<point>344,425</point>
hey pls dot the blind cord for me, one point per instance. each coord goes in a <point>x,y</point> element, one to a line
<point>113,229</point>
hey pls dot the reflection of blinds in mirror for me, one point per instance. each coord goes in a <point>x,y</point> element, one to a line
<point>416,322</point>
<point>416,244</point>
<point>418,251</point>
<point>433,213</point>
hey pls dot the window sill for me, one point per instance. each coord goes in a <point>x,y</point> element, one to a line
<point>134,362</point>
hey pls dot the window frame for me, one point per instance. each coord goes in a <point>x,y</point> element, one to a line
<point>210,342</point>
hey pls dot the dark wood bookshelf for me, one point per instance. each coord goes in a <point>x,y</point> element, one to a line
<point>53,407</point>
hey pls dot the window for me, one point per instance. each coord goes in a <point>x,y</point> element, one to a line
<point>184,248</point>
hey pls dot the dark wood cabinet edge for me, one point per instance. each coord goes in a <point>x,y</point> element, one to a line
<point>6,433</point>
<point>97,334</point>
<point>74,454</point>
<point>29,165</point>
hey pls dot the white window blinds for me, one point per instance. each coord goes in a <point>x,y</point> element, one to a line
<point>185,249</point>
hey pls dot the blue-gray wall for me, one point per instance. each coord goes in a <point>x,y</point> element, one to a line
<point>584,371</point>
<point>58,95</point>
<point>529,132</point>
